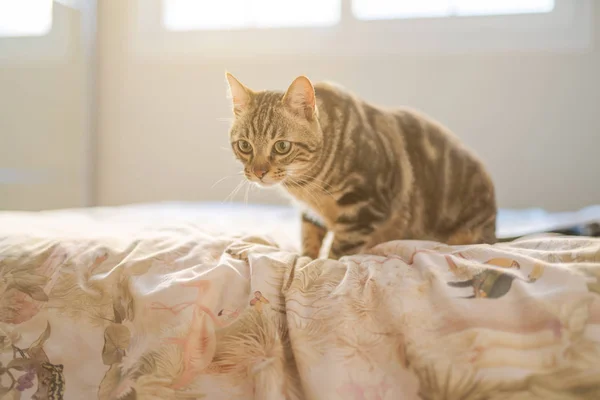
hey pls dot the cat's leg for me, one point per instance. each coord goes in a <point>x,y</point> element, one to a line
<point>354,228</point>
<point>349,238</point>
<point>313,234</point>
<point>346,243</point>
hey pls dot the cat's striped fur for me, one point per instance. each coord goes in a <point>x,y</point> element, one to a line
<point>365,173</point>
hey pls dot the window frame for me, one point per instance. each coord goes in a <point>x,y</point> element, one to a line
<point>54,46</point>
<point>567,28</point>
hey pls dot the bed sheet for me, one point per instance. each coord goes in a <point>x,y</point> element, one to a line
<point>145,304</point>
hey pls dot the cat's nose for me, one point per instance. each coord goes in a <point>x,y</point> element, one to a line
<point>260,172</point>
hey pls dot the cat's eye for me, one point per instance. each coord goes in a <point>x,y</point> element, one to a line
<point>244,146</point>
<point>283,147</point>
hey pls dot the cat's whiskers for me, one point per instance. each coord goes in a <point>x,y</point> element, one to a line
<point>298,173</point>
<point>246,194</point>
<point>235,190</point>
<point>316,204</point>
<point>223,178</point>
<point>307,180</point>
<point>314,183</point>
<point>313,186</point>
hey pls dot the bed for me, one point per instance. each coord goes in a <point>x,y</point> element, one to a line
<point>190,301</point>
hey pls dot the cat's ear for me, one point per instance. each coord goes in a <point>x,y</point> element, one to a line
<point>300,98</point>
<point>240,95</point>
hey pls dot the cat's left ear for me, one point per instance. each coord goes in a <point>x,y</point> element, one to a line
<point>300,98</point>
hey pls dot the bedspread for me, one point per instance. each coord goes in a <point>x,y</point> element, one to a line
<point>186,314</point>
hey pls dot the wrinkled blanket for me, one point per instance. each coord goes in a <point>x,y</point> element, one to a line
<point>186,314</point>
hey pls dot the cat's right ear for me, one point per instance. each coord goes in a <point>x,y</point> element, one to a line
<point>240,95</point>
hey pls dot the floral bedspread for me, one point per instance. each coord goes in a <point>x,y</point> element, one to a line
<point>186,314</point>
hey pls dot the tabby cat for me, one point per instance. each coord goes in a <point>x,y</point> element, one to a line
<point>366,174</point>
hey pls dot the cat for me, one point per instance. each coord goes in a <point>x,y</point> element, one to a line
<point>365,173</point>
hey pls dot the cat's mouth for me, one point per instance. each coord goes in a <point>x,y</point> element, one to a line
<point>268,180</point>
<point>265,182</point>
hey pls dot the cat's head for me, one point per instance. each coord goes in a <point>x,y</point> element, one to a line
<point>275,135</point>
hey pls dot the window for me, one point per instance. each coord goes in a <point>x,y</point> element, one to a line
<point>399,9</point>
<point>182,15</point>
<point>25,17</point>
<point>242,14</point>
<point>220,29</point>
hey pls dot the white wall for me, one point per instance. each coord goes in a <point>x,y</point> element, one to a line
<point>533,117</point>
<point>43,117</point>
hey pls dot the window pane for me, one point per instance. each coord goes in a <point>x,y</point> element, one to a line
<point>393,9</point>
<point>281,13</point>
<point>204,14</point>
<point>25,17</point>
<point>238,14</point>
<point>497,7</point>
